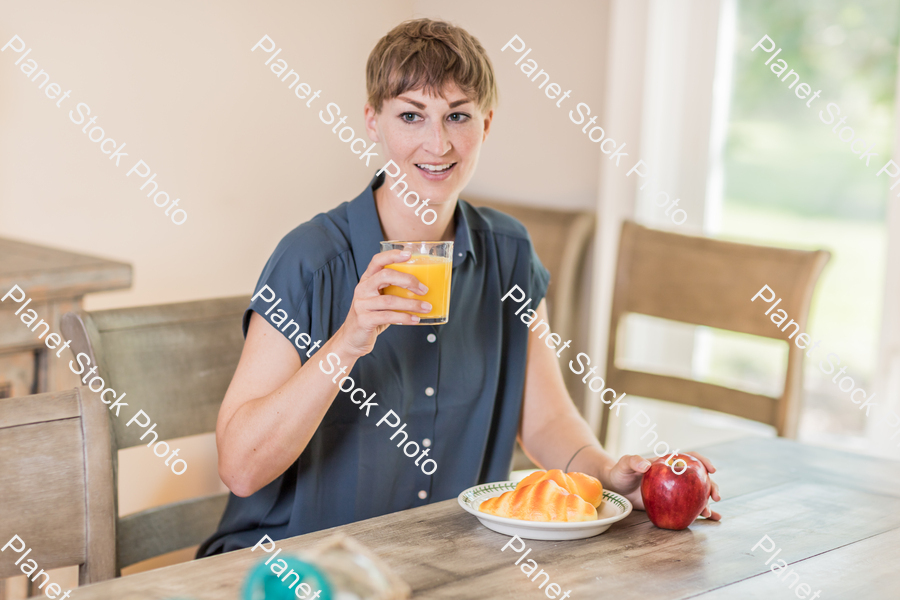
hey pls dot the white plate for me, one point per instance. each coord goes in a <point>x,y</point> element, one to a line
<point>613,508</point>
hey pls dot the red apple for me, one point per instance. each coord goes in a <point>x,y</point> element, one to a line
<point>673,501</point>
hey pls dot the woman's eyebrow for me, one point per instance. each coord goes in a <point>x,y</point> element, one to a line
<point>418,105</point>
<point>421,106</point>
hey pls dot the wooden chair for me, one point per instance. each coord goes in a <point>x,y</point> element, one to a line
<point>561,240</point>
<point>175,362</point>
<point>57,484</point>
<point>702,281</point>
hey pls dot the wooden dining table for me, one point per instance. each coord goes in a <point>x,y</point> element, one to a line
<point>833,517</point>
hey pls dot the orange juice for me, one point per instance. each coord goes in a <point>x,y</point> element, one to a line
<point>434,272</point>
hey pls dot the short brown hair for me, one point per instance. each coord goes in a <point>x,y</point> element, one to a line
<point>424,54</point>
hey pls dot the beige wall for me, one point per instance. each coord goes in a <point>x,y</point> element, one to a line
<point>176,82</point>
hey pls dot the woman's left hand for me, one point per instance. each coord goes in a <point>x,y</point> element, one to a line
<point>625,477</point>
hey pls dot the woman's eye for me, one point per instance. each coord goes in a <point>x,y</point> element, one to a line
<point>458,117</point>
<point>409,117</point>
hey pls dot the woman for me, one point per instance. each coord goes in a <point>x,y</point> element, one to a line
<point>300,454</point>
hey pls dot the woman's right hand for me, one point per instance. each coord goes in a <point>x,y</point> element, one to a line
<point>372,312</point>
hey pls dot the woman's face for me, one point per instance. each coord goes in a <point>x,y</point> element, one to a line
<point>435,140</point>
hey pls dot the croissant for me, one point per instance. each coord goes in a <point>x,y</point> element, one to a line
<point>588,488</point>
<point>543,501</point>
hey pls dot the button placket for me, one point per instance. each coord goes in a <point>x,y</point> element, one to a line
<point>431,366</point>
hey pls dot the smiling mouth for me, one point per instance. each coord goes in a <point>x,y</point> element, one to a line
<point>435,169</point>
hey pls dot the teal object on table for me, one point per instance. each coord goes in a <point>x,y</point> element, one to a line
<point>273,588</point>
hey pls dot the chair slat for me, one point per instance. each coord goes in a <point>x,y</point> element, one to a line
<point>187,523</point>
<point>174,361</point>
<point>178,375</point>
<point>167,314</point>
<point>702,395</point>
<point>710,282</point>
<point>40,408</point>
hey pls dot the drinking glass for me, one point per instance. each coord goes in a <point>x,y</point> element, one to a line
<point>432,264</point>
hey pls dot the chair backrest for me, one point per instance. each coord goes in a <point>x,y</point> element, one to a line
<point>57,490</point>
<point>561,240</point>
<point>709,282</point>
<point>175,362</point>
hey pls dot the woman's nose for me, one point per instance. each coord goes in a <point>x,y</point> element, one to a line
<point>438,142</point>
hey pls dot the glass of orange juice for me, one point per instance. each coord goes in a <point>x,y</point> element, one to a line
<point>431,263</point>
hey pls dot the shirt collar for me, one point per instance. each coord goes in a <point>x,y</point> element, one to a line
<point>366,235</point>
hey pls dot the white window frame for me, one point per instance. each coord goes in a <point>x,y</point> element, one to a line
<point>884,425</point>
<point>660,69</point>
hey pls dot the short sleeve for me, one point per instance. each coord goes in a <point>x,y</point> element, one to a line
<point>282,294</point>
<point>539,276</point>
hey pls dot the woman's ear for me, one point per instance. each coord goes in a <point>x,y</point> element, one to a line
<point>488,118</point>
<point>370,117</point>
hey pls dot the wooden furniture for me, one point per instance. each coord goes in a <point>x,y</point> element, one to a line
<point>175,361</point>
<point>836,517</point>
<point>57,483</point>
<point>561,240</point>
<point>709,282</point>
<point>56,281</point>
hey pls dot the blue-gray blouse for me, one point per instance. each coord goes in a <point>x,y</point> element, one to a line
<point>458,387</point>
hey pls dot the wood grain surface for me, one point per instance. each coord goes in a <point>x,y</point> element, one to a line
<point>56,483</point>
<point>48,274</point>
<point>836,517</point>
<point>55,281</point>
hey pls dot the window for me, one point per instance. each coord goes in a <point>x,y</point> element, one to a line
<point>791,181</point>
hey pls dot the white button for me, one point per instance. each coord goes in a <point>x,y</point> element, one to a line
<point>460,254</point>
<point>423,494</point>
<point>429,391</point>
<point>431,338</point>
<point>426,442</point>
